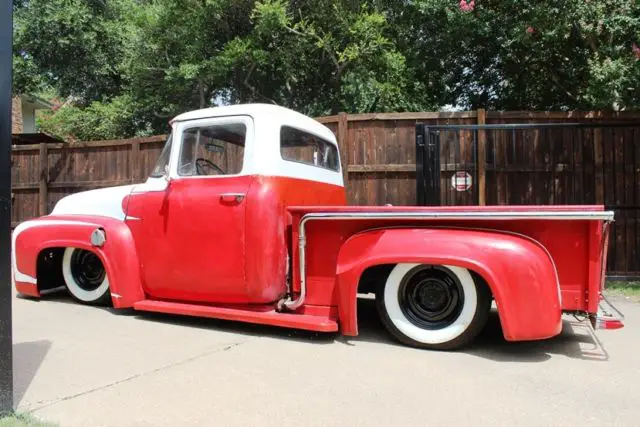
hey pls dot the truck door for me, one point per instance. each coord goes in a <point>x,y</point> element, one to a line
<point>193,232</point>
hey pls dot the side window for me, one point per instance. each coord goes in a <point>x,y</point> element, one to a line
<point>163,160</point>
<point>303,147</point>
<point>212,150</point>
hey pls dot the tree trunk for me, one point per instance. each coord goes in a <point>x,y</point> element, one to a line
<point>201,89</point>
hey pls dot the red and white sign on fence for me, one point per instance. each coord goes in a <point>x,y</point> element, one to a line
<point>461,181</point>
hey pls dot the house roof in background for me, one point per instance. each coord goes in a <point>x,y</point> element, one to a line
<point>37,102</point>
<point>33,138</point>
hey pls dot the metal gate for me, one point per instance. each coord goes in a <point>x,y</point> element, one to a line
<point>538,164</point>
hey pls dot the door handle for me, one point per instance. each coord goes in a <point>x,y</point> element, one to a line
<point>231,197</point>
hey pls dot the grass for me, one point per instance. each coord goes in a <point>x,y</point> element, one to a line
<point>628,290</point>
<point>22,420</point>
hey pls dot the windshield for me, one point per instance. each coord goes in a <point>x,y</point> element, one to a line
<point>212,149</point>
<point>163,161</point>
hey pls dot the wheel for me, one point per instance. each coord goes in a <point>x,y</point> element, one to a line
<point>85,277</point>
<point>433,306</point>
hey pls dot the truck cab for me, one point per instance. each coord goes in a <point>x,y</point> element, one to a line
<point>211,222</point>
<point>244,217</point>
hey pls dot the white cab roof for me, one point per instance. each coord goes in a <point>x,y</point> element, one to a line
<point>275,113</point>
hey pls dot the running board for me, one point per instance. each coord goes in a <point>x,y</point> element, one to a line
<point>259,316</point>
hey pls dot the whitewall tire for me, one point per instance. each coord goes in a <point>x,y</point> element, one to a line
<point>433,306</point>
<point>85,276</point>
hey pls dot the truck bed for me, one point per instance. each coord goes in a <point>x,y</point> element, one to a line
<point>574,236</point>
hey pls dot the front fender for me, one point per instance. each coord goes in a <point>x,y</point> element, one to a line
<point>118,254</point>
<point>518,270</point>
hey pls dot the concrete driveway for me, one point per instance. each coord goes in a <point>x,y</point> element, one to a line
<point>85,366</point>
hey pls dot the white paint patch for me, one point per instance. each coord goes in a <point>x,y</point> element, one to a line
<point>262,154</point>
<point>21,277</point>
<point>102,202</point>
<point>151,184</point>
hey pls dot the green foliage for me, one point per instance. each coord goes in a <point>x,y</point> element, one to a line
<point>513,54</point>
<point>326,57</point>
<point>627,290</point>
<point>97,121</point>
<point>22,420</point>
<point>75,46</point>
<point>125,67</point>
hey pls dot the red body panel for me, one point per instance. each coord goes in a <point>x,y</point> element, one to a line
<point>575,246</point>
<point>514,267</point>
<point>189,250</point>
<point>190,242</point>
<point>118,253</point>
<point>196,247</point>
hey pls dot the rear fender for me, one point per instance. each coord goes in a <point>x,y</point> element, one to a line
<point>519,271</point>
<point>118,254</point>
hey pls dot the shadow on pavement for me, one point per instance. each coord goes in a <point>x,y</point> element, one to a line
<point>577,339</point>
<point>234,327</point>
<point>27,358</point>
<point>226,326</point>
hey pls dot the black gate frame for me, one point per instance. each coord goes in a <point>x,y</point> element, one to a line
<point>428,153</point>
<point>427,162</point>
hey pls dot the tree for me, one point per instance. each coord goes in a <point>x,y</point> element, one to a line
<point>327,56</point>
<point>127,66</point>
<point>74,46</point>
<point>513,54</point>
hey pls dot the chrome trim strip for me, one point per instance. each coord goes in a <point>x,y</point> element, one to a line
<point>24,278</point>
<point>292,304</point>
<point>238,197</point>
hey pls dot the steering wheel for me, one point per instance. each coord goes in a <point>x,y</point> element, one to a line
<point>208,164</point>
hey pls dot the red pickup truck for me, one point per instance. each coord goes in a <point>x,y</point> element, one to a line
<point>244,218</point>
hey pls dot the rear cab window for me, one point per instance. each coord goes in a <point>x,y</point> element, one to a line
<point>306,148</point>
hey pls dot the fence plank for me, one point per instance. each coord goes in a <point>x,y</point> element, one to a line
<point>412,116</point>
<point>44,180</point>
<point>381,168</point>
<point>598,161</point>
<point>482,157</point>
<point>343,145</point>
<point>93,144</point>
<point>134,162</point>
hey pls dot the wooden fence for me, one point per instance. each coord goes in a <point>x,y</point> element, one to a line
<point>380,156</point>
<point>42,174</point>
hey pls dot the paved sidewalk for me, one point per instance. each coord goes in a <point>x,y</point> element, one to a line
<point>85,366</point>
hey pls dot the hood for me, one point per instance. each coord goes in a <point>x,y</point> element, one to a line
<point>101,202</point>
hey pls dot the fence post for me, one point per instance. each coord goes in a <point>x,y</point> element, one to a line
<point>482,172</point>
<point>133,161</point>
<point>44,179</point>
<point>343,145</point>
